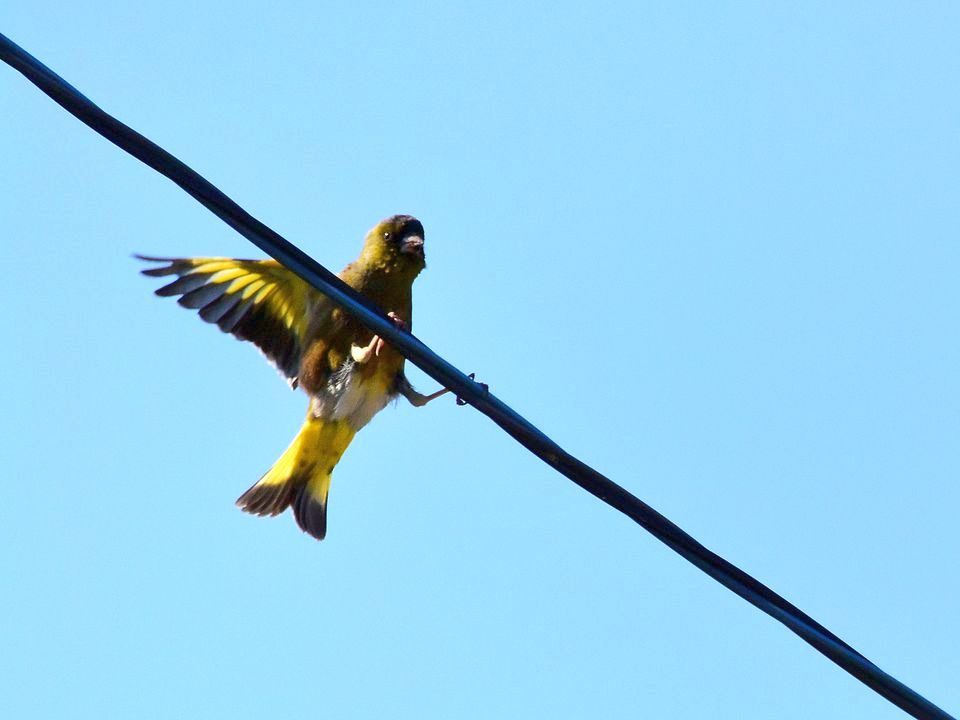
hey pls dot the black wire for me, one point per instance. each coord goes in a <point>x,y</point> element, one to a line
<point>474,393</point>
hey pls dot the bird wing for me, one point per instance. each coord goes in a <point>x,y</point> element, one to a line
<point>256,300</point>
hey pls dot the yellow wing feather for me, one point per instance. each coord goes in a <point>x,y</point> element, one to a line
<point>256,300</point>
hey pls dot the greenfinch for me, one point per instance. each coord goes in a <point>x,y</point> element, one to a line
<point>347,371</point>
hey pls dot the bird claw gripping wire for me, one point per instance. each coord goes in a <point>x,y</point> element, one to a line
<point>473,376</point>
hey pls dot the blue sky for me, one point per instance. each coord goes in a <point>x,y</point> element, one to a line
<point>710,248</point>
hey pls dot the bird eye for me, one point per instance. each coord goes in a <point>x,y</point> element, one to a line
<point>386,235</point>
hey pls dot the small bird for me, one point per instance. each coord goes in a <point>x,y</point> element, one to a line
<point>349,373</point>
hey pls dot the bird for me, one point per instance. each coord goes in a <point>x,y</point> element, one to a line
<point>348,372</point>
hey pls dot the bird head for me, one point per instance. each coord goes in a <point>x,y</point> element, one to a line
<point>396,245</point>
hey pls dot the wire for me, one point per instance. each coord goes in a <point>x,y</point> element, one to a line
<point>474,393</point>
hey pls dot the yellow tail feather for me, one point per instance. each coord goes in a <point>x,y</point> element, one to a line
<point>301,477</point>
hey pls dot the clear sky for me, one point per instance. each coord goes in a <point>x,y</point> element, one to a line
<point>711,248</point>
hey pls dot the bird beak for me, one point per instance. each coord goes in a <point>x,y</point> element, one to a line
<point>412,245</point>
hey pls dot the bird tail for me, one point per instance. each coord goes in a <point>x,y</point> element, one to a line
<point>301,477</point>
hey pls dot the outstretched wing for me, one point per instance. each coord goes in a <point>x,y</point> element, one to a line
<point>256,300</point>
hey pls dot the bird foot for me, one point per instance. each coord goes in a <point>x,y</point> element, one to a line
<point>472,376</point>
<point>361,355</point>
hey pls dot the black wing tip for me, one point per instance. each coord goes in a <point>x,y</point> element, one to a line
<point>165,269</point>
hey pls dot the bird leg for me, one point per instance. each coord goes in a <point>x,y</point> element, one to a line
<point>361,355</point>
<point>419,399</point>
<point>403,387</point>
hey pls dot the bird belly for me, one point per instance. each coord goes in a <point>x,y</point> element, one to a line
<point>353,396</point>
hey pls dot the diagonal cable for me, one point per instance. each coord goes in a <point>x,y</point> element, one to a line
<point>724,572</point>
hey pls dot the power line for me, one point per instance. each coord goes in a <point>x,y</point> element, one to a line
<point>524,432</point>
